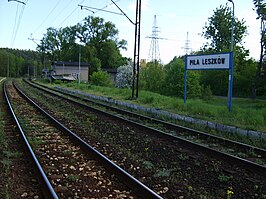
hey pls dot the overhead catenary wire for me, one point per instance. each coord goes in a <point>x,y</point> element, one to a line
<point>123,12</point>
<point>69,14</point>
<point>20,9</point>
<point>45,19</point>
<point>62,10</point>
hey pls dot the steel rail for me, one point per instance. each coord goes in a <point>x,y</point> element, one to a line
<point>139,188</point>
<point>252,166</point>
<point>48,190</point>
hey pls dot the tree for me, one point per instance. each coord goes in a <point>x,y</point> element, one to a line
<point>17,62</point>
<point>260,6</point>
<point>96,39</point>
<point>103,36</point>
<point>124,76</point>
<point>173,83</point>
<point>60,44</point>
<point>152,77</point>
<point>219,30</point>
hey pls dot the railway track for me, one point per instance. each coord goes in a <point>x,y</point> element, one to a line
<point>251,156</point>
<point>73,167</point>
<point>146,144</point>
<point>16,181</point>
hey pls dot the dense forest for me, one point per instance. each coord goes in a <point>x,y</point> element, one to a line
<point>97,42</point>
<point>17,63</point>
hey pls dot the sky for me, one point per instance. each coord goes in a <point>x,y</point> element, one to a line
<point>178,22</point>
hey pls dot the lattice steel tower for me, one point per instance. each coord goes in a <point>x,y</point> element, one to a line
<point>154,52</point>
<point>187,46</point>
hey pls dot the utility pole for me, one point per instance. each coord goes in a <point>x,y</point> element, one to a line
<point>7,71</point>
<point>231,71</point>
<point>135,80</point>
<point>79,63</point>
<point>136,51</point>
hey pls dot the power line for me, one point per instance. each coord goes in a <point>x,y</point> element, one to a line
<point>18,1</point>
<point>123,12</point>
<point>70,14</point>
<point>47,17</point>
<point>17,20</point>
<point>98,9</point>
<point>62,10</point>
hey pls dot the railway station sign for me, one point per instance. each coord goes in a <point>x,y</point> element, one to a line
<point>208,62</point>
<point>218,61</point>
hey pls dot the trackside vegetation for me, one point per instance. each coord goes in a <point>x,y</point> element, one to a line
<point>247,113</point>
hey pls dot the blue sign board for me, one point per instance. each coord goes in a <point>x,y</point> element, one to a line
<point>218,61</point>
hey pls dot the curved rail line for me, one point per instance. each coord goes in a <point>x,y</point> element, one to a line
<point>132,182</point>
<point>254,167</point>
<point>48,189</point>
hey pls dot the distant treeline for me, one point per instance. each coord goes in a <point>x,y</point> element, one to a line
<point>17,63</point>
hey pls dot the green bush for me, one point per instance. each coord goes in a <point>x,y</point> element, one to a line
<point>206,93</point>
<point>100,78</point>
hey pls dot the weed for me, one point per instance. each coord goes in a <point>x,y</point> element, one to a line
<point>163,173</point>
<point>72,178</point>
<point>216,165</point>
<point>35,141</point>
<point>229,192</point>
<point>224,178</point>
<point>67,152</point>
<point>10,154</point>
<point>6,163</point>
<point>259,161</point>
<point>183,157</point>
<point>251,152</point>
<point>148,164</point>
<point>242,155</point>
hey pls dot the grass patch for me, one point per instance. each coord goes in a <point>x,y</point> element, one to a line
<point>10,154</point>
<point>163,173</point>
<point>35,141</point>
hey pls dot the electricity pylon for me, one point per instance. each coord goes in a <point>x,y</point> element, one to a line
<point>187,46</point>
<point>154,52</point>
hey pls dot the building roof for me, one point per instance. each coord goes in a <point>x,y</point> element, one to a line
<point>64,63</point>
<point>110,70</point>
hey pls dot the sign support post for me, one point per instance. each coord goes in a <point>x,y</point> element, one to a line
<point>185,86</point>
<point>231,75</point>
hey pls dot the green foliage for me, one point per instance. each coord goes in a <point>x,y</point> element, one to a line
<point>124,76</point>
<point>109,55</point>
<point>193,84</point>
<point>173,83</point>
<point>219,30</point>
<point>169,79</point>
<point>163,173</point>
<point>260,6</point>
<point>94,38</point>
<point>206,93</point>
<point>16,63</point>
<point>152,76</point>
<point>100,78</point>
<point>246,113</point>
<point>224,178</point>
